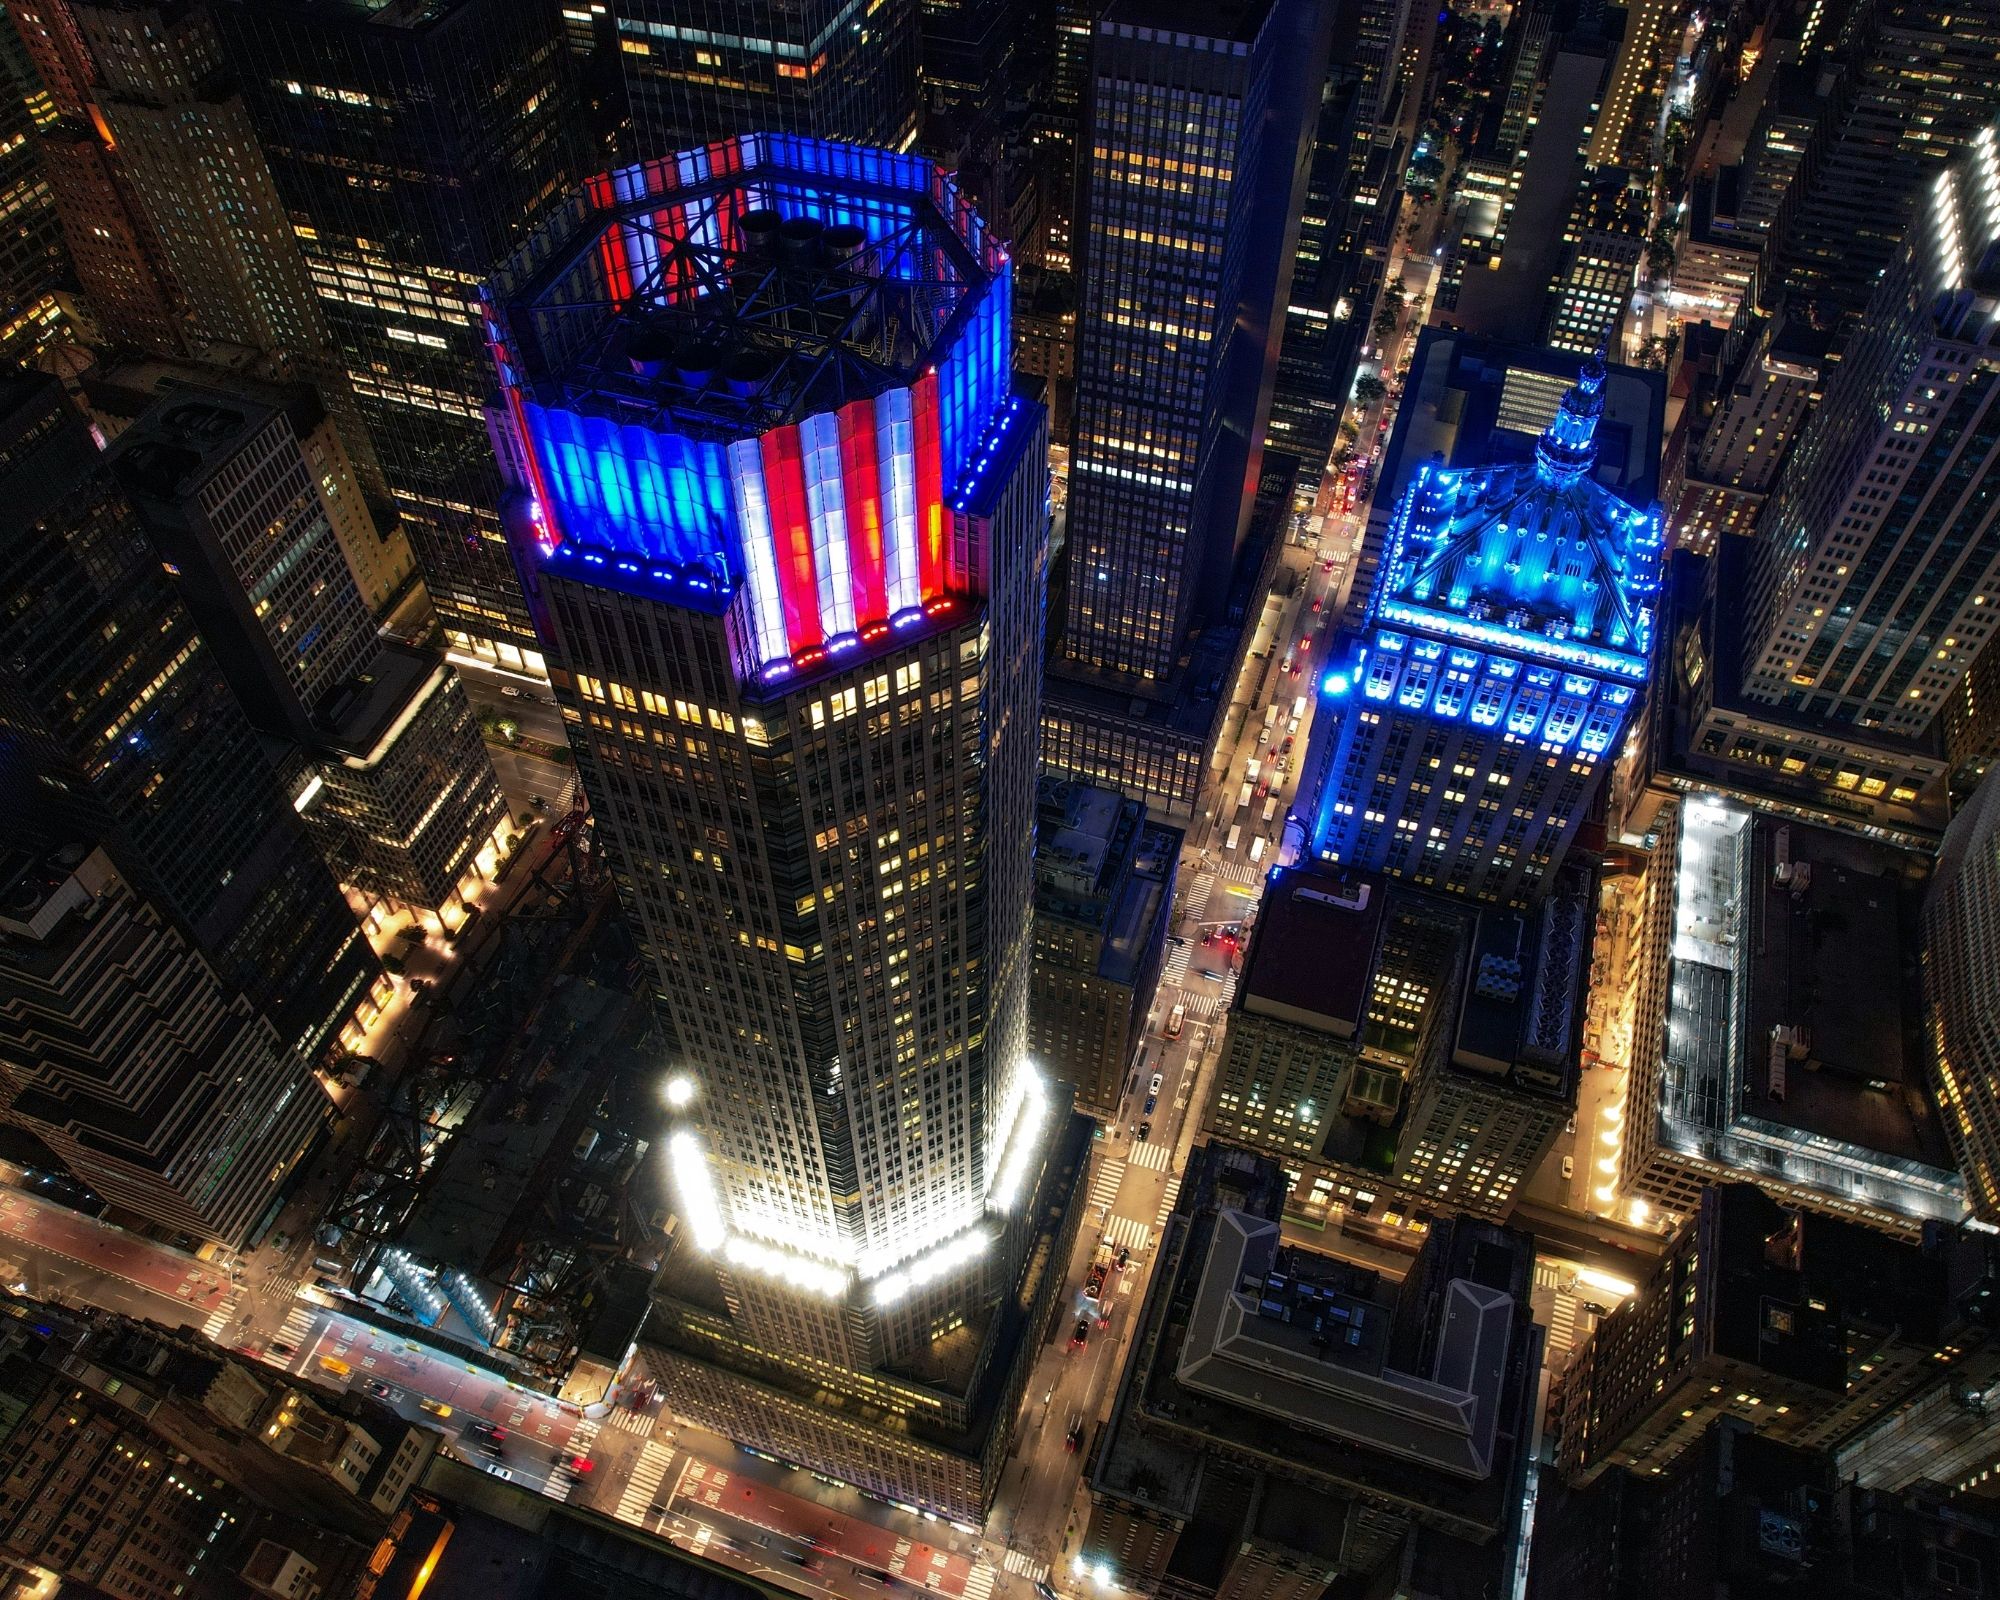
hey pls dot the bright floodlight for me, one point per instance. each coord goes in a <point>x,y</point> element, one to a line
<point>680,1092</point>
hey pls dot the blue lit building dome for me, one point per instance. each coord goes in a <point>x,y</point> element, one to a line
<point>1493,673</point>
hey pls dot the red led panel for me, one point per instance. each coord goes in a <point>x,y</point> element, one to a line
<point>611,245</point>
<point>791,535</point>
<point>930,485</point>
<point>861,479</point>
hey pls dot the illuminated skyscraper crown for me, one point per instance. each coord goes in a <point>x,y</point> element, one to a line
<point>773,368</point>
<point>1568,446</point>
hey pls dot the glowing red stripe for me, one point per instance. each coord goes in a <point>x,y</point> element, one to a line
<point>931,573</point>
<point>611,243</point>
<point>791,534</point>
<point>861,480</point>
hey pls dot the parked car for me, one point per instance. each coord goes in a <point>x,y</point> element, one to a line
<point>1081,1336</point>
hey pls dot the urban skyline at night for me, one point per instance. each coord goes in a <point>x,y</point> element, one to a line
<point>1025,799</point>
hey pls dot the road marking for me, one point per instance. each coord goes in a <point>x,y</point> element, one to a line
<point>638,1422</point>
<point>979,1581</point>
<point>642,1484</point>
<point>1167,1200</point>
<point>1104,1184</point>
<point>1197,899</point>
<point>1153,1157</point>
<point>1018,1561</point>
<point>219,1319</point>
<point>1177,965</point>
<point>1133,1235</point>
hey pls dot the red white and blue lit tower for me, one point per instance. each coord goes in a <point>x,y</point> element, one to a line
<point>1464,732</point>
<point>782,525</point>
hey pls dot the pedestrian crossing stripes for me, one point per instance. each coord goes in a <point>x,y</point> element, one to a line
<point>298,1323</point>
<point>979,1581</point>
<point>1020,1562</point>
<point>1546,1275</point>
<point>1132,1235</point>
<point>1201,1007</point>
<point>1562,1323</point>
<point>1153,1157</point>
<point>1228,992</point>
<point>584,1436</point>
<point>639,1422</point>
<point>218,1319</point>
<point>1197,898</point>
<point>279,1290</point>
<point>642,1484</point>
<point>1177,965</point>
<point>1167,1200</point>
<point>1104,1183</point>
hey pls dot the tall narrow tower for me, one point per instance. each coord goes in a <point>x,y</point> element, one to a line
<point>782,527</point>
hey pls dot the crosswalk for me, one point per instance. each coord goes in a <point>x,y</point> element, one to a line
<point>1153,1157</point>
<point>642,1484</point>
<point>219,1319</point>
<point>1196,904</point>
<point>979,1581</point>
<point>1104,1184</point>
<point>1132,1235</point>
<point>1177,965</point>
<point>639,1422</point>
<point>1201,1007</point>
<point>1167,1200</point>
<point>298,1323</point>
<point>1018,1561</point>
<point>1562,1323</point>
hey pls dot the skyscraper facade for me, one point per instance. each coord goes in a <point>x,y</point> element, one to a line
<point>120,730</point>
<point>1961,956</point>
<point>113,248</point>
<point>1877,578</point>
<point>32,261</point>
<point>1200,119</point>
<point>395,782</point>
<point>701,70</point>
<point>783,528</point>
<point>1501,656</point>
<point>410,146</point>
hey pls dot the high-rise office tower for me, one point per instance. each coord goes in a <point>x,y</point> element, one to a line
<point>783,529</point>
<point>1961,956</point>
<point>1200,119</point>
<point>120,731</point>
<point>1917,83</point>
<point>1487,688</point>
<point>112,246</point>
<point>1602,244</point>
<point>122,1051</point>
<point>1645,53</point>
<point>411,145</point>
<point>186,146</point>
<point>1059,113</point>
<point>1335,275</point>
<point>1877,577</point>
<point>32,262</point>
<point>392,776</point>
<point>702,70</point>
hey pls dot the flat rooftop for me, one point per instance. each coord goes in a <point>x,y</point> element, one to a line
<point>1835,961</point>
<point>1314,952</point>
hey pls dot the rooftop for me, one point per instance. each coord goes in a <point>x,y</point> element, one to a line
<point>1314,950</point>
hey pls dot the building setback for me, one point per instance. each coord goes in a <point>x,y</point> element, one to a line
<point>411,146</point>
<point>802,674</point>
<point>129,736</point>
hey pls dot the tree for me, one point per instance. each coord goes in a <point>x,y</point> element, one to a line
<point>1368,388</point>
<point>1388,310</point>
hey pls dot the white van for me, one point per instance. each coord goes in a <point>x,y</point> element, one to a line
<point>1250,772</point>
<point>1270,809</point>
<point>1243,799</point>
<point>1235,836</point>
<point>1298,708</point>
<point>1257,849</point>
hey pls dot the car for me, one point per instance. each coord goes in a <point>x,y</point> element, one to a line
<point>1044,1590</point>
<point>1570,1126</point>
<point>805,1561</point>
<point>873,1577</point>
<point>1327,564</point>
<point>1080,1336</point>
<point>1208,936</point>
<point>1293,669</point>
<point>1151,1101</point>
<point>504,1474</point>
<point>283,1349</point>
<point>1211,974</point>
<point>436,1408</point>
<point>1569,1168</point>
<point>1073,1438</point>
<point>1145,1130</point>
<point>380,1390</point>
<point>1318,605</point>
<point>1595,1309</point>
<point>1158,1079</point>
<point>1124,1255</point>
<point>579,1463</point>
